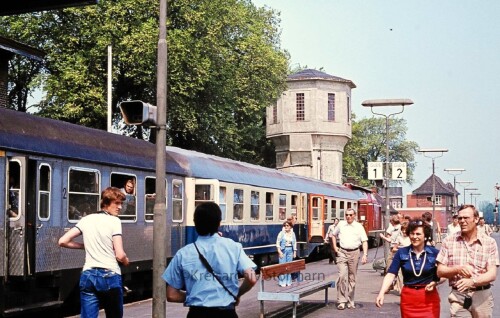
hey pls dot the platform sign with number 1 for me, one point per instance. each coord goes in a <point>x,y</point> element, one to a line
<point>375,171</point>
<point>398,171</point>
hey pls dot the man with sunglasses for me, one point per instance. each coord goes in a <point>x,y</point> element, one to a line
<point>469,259</point>
<point>352,235</point>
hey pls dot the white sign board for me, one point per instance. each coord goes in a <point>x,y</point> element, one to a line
<point>375,171</point>
<point>398,171</point>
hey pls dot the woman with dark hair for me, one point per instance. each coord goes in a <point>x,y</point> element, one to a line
<point>419,296</point>
<point>286,243</point>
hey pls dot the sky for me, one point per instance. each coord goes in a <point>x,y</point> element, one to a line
<point>444,55</point>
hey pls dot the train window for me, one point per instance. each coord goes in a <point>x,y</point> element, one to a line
<point>203,192</point>
<point>14,189</point>
<point>149,198</point>
<point>303,207</point>
<point>341,209</point>
<point>325,209</point>
<point>282,210</point>
<point>238,204</point>
<point>83,194</point>
<point>269,206</point>
<point>177,199</point>
<point>128,185</point>
<point>315,209</point>
<point>223,202</point>
<point>44,182</point>
<point>333,204</point>
<point>294,204</point>
<point>255,205</point>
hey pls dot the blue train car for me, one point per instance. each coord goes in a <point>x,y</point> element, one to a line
<point>52,174</point>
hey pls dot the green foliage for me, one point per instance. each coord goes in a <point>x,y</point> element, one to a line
<point>488,209</point>
<point>224,67</point>
<point>368,144</point>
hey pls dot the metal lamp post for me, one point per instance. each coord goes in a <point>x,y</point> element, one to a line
<point>433,154</point>
<point>475,195</point>
<point>464,185</point>
<point>469,189</point>
<point>454,172</point>
<point>378,103</point>
<point>495,213</point>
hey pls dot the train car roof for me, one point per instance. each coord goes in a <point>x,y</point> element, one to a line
<point>36,135</point>
<point>207,166</point>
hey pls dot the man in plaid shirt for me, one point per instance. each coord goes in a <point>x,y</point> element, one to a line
<point>469,260</point>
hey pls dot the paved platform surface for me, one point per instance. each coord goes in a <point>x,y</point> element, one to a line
<point>367,287</point>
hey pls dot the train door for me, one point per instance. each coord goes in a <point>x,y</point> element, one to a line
<point>21,224</point>
<point>316,222</point>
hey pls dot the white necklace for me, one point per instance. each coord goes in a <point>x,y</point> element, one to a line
<point>421,268</point>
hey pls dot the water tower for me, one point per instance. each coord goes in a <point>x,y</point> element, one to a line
<point>310,125</point>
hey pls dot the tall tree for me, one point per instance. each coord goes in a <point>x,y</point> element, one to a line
<point>368,144</point>
<point>224,67</point>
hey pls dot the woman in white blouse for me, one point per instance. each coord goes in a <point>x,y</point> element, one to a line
<point>286,243</point>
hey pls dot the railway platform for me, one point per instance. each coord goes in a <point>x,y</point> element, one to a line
<point>367,287</point>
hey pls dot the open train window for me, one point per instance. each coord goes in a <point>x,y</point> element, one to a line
<point>255,205</point>
<point>269,206</point>
<point>149,198</point>
<point>333,204</point>
<point>14,186</point>
<point>238,204</point>
<point>341,210</point>
<point>177,199</point>
<point>83,192</point>
<point>294,205</point>
<point>223,203</point>
<point>127,183</point>
<point>44,186</point>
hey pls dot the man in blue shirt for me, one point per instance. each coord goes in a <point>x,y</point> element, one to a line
<point>191,282</point>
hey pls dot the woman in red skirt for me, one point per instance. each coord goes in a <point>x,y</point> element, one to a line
<point>419,297</point>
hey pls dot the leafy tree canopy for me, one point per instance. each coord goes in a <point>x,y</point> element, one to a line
<point>225,66</point>
<point>368,144</point>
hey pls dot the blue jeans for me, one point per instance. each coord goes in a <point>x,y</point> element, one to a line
<point>287,257</point>
<point>100,286</point>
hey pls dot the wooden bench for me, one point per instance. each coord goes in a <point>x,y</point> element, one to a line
<point>294,293</point>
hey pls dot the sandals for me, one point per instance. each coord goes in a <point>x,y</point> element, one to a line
<point>351,306</point>
<point>341,306</point>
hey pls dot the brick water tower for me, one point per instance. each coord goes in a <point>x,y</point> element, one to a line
<point>310,125</point>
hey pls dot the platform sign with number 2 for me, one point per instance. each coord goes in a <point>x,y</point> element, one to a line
<point>398,171</point>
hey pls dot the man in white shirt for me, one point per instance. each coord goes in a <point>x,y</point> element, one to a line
<point>453,227</point>
<point>352,235</point>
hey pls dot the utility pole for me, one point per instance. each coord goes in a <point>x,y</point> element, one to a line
<point>387,102</point>
<point>160,235</point>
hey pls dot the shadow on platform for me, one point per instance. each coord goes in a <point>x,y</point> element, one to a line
<point>303,309</point>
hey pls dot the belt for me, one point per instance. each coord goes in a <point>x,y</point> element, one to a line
<point>478,288</point>
<point>415,286</point>
<point>211,309</point>
<point>350,249</point>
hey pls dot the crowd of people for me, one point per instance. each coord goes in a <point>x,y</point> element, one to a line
<point>467,258</point>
